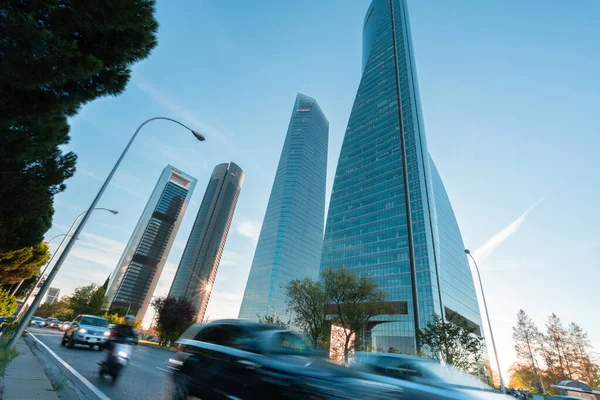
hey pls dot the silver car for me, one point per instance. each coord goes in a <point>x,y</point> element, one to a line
<point>37,321</point>
<point>89,330</point>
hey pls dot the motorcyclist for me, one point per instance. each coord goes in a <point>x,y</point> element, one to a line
<point>119,334</point>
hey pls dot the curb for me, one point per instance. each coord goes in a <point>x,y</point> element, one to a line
<point>60,378</point>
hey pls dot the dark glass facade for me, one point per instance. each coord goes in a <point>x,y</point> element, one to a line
<point>199,263</point>
<point>389,217</point>
<point>291,237</point>
<point>142,262</point>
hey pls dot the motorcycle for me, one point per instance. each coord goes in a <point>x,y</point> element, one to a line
<point>118,359</point>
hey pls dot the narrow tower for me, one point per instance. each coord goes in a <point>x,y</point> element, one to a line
<point>135,278</point>
<point>198,267</point>
<point>291,237</point>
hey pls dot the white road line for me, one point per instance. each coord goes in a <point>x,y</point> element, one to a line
<point>87,383</point>
<point>163,369</point>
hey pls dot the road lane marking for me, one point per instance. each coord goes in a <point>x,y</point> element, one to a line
<point>163,369</point>
<point>87,383</point>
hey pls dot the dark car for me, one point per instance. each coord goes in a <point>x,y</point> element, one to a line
<point>236,359</point>
<point>86,329</point>
<point>431,377</point>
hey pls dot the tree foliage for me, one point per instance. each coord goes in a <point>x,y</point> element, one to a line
<point>8,304</point>
<point>453,342</point>
<point>60,309</point>
<point>87,299</point>
<point>353,301</point>
<point>56,56</point>
<point>306,301</point>
<point>114,318</point>
<point>174,316</point>
<point>22,264</point>
<point>558,354</point>
<point>526,337</point>
<point>273,320</point>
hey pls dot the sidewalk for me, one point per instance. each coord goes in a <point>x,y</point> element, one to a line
<point>25,378</point>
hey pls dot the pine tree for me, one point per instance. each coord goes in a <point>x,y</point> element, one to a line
<point>585,369</point>
<point>526,335</point>
<point>56,56</point>
<point>556,346</point>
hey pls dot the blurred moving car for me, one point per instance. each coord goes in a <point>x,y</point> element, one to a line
<point>432,378</point>
<point>37,321</point>
<point>52,323</point>
<point>244,360</point>
<point>86,329</point>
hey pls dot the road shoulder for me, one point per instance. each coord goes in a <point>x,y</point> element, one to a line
<point>66,385</point>
<point>25,377</point>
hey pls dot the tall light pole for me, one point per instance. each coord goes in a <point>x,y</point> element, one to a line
<point>46,285</point>
<point>41,274</point>
<point>86,216</point>
<point>467,252</point>
<point>25,306</point>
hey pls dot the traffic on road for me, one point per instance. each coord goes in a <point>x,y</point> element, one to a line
<point>234,359</point>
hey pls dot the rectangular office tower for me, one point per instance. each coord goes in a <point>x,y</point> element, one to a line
<point>389,216</point>
<point>135,278</point>
<point>52,295</point>
<point>291,237</point>
<point>198,267</point>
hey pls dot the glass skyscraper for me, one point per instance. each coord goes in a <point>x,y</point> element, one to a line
<point>135,278</point>
<point>197,269</point>
<point>389,216</point>
<point>291,237</point>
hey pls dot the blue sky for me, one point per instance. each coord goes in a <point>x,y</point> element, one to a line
<point>510,94</point>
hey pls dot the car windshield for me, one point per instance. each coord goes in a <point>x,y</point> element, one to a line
<point>94,321</point>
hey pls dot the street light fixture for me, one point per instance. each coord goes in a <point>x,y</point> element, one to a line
<point>86,216</point>
<point>14,292</point>
<point>467,252</point>
<point>46,285</point>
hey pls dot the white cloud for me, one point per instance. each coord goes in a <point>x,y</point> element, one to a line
<point>184,114</point>
<point>488,247</point>
<point>249,228</point>
<point>98,250</point>
<point>232,258</point>
<point>123,181</point>
<point>223,305</point>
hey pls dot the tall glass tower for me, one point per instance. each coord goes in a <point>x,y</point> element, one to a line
<point>389,216</point>
<point>197,270</point>
<point>135,278</point>
<point>291,237</point>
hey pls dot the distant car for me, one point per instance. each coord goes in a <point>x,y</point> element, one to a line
<point>63,325</point>
<point>237,359</point>
<point>37,321</point>
<point>52,323</point>
<point>88,330</point>
<point>426,376</point>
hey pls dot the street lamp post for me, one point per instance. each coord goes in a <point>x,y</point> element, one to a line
<point>467,252</point>
<point>41,274</point>
<point>86,216</point>
<point>46,285</point>
<point>25,306</point>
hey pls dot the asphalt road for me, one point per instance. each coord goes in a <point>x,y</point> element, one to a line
<point>144,378</point>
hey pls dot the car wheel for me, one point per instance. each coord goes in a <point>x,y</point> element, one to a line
<point>71,342</point>
<point>180,391</point>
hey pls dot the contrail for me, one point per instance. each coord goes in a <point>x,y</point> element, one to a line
<point>488,247</point>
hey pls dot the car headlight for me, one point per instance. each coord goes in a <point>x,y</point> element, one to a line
<point>82,330</point>
<point>122,354</point>
<point>106,333</point>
